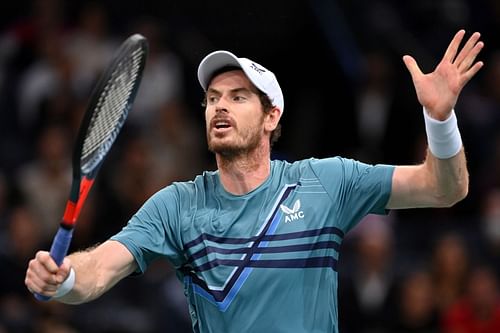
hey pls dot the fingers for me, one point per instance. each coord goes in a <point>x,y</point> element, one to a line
<point>467,56</point>
<point>470,57</point>
<point>63,271</point>
<point>44,258</point>
<point>37,284</point>
<point>472,71</point>
<point>412,66</point>
<point>471,43</point>
<point>43,276</point>
<point>452,49</point>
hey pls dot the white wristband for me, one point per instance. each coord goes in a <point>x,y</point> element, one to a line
<point>67,285</point>
<point>443,137</point>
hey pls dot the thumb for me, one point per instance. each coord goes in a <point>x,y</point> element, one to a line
<point>64,269</point>
<point>412,66</point>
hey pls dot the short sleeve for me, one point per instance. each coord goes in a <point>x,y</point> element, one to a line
<point>153,232</point>
<point>356,188</point>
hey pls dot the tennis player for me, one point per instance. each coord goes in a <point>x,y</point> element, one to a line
<point>256,242</point>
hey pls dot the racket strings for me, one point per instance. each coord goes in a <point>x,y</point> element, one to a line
<point>111,110</point>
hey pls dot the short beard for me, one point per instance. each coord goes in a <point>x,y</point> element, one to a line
<point>232,152</point>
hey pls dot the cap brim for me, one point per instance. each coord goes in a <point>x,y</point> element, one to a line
<point>212,62</point>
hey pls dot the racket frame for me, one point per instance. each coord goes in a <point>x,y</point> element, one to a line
<point>82,181</point>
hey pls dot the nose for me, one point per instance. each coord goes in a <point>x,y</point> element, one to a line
<point>220,109</point>
<point>221,105</point>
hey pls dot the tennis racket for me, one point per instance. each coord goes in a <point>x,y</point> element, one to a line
<point>108,108</point>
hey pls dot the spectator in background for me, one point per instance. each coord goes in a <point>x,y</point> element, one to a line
<point>133,178</point>
<point>478,311</point>
<point>416,305</point>
<point>449,266</point>
<point>481,105</point>
<point>367,294</point>
<point>23,237</point>
<point>374,103</point>
<point>89,47</point>
<point>45,181</point>
<point>20,48</point>
<point>490,226</point>
<point>177,144</point>
<point>43,85</point>
<point>163,82</point>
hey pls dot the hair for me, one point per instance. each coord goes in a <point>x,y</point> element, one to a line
<point>265,101</point>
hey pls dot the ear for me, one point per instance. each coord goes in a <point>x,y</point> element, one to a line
<point>272,119</point>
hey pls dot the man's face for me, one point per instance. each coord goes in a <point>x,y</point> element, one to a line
<point>234,115</point>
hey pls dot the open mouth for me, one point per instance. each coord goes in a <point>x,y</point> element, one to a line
<point>221,124</point>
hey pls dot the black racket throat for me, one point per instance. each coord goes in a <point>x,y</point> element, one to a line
<point>67,227</point>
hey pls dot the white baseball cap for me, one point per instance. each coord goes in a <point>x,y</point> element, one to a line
<point>262,78</point>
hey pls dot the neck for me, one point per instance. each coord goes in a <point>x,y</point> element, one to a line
<point>243,173</point>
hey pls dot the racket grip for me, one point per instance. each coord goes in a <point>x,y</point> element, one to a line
<point>58,251</point>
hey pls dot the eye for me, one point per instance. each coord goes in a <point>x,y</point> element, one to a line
<point>239,98</point>
<point>212,99</point>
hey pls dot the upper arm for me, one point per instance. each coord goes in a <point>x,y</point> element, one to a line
<point>100,268</point>
<point>114,261</point>
<point>410,188</point>
<point>155,231</point>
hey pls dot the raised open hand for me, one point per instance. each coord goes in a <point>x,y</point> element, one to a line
<point>438,91</point>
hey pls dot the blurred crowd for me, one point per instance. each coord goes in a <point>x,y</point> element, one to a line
<point>419,271</point>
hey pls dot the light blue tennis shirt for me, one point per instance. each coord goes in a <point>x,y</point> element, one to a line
<point>265,261</point>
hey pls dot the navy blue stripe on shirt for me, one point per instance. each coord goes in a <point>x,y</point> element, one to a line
<point>304,234</point>
<point>291,235</point>
<point>273,249</point>
<point>273,263</point>
<point>296,263</point>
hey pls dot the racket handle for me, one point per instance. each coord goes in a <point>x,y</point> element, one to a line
<point>58,251</point>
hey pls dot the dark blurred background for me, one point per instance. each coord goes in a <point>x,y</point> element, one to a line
<point>347,92</point>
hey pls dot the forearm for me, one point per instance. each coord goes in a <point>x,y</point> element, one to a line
<point>441,181</point>
<point>88,281</point>
<point>97,270</point>
<point>448,178</point>
<point>445,159</point>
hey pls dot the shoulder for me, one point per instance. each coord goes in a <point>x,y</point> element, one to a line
<point>346,166</point>
<point>179,197</point>
<point>310,169</point>
<point>337,169</point>
<point>201,182</point>
<point>313,164</point>
<point>187,191</point>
